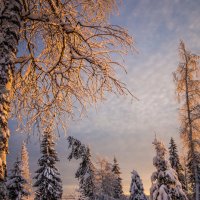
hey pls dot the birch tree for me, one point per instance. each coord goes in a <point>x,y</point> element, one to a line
<point>55,56</point>
<point>26,171</point>
<point>106,179</point>
<point>188,91</point>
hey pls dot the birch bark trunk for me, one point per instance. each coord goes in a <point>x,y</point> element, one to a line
<point>10,23</point>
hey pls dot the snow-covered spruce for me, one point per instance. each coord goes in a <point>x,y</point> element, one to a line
<point>77,148</point>
<point>86,171</point>
<point>165,183</point>
<point>136,189</point>
<point>118,192</point>
<point>175,163</point>
<point>16,183</point>
<point>48,182</point>
<point>3,190</point>
<point>26,171</point>
<point>86,177</point>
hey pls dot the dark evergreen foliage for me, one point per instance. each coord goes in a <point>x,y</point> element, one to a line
<point>118,192</point>
<point>86,171</point>
<point>3,190</point>
<point>165,183</point>
<point>175,163</point>
<point>136,189</point>
<point>48,182</point>
<point>16,183</point>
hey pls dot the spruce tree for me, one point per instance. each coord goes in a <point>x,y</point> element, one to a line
<point>165,183</point>
<point>175,163</point>
<point>136,189</point>
<point>3,190</point>
<point>86,171</point>
<point>48,182</point>
<point>86,177</point>
<point>25,170</point>
<point>16,183</point>
<point>118,181</point>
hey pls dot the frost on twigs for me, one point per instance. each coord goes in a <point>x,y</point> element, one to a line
<point>66,60</point>
<point>69,64</point>
<point>25,170</point>
<point>188,92</point>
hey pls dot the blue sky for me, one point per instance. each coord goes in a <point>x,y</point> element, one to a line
<point>123,127</point>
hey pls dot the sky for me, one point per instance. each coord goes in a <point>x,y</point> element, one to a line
<point>121,126</point>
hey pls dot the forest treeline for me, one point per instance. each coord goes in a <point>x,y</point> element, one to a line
<point>99,180</point>
<point>173,179</point>
<point>57,58</point>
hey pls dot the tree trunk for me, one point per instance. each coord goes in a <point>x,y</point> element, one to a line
<point>10,23</point>
<point>190,137</point>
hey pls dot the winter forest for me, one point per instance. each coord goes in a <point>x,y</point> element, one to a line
<point>99,100</point>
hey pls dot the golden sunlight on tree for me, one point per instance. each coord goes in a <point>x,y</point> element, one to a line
<point>66,60</point>
<point>187,88</point>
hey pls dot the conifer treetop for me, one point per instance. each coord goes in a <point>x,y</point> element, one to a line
<point>116,168</point>
<point>86,171</point>
<point>16,182</point>
<point>48,182</point>
<point>136,189</point>
<point>165,183</point>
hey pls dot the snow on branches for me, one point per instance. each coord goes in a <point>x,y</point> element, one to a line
<point>96,182</point>
<point>86,171</point>
<point>48,182</point>
<point>165,183</point>
<point>17,183</point>
<point>136,189</point>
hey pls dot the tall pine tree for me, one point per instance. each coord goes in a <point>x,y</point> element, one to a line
<point>118,192</point>
<point>48,182</point>
<point>165,183</point>
<point>86,171</point>
<point>26,171</point>
<point>175,163</point>
<point>16,183</point>
<point>136,189</point>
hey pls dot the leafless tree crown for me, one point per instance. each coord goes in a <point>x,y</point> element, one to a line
<point>68,57</point>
